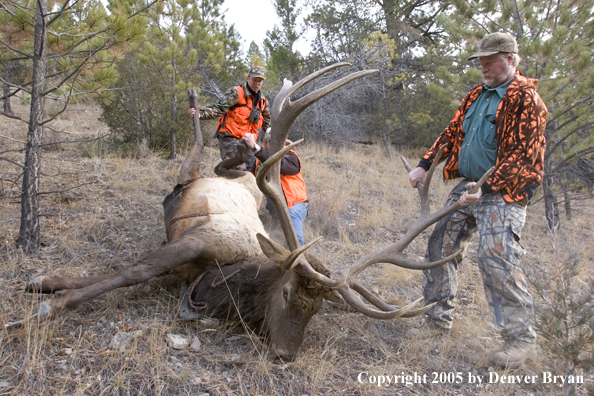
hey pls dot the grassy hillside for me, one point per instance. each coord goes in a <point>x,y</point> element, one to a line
<point>360,201</point>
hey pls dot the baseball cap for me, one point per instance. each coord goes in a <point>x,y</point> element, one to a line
<point>495,43</point>
<point>257,71</point>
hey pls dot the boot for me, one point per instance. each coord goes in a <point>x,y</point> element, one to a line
<point>514,354</point>
<point>438,327</point>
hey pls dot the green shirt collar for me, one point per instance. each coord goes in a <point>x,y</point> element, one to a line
<point>500,89</point>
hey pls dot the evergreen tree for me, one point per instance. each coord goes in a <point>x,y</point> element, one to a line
<point>253,54</point>
<point>402,40</point>
<point>170,55</point>
<point>68,49</point>
<point>185,49</point>
<point>282,59</point>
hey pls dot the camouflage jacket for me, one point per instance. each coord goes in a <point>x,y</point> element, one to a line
<point>520,141</point>
<point>228,101</point>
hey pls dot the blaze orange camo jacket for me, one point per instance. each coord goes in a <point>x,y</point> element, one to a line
<point>520,141</point>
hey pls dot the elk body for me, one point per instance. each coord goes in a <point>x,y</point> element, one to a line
<point>217,243</point>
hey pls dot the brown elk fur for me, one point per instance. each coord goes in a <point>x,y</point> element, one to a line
<point>258,293</point>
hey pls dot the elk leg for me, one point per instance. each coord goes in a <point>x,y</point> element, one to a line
<point>51,284</point>
<point>225,167</point>
<point>164,259</point>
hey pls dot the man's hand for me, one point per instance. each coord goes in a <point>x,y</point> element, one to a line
<point>249,140</point>
<point>417,175</point>
<point>193,111</point>
<point>467,198</point>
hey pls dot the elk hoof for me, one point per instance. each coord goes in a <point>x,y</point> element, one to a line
<point>45,311</point>
<point>281,355</point>
<point>35,285</point>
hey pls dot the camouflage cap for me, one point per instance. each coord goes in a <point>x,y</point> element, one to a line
<point>495,43</point>
<point>257,71</point>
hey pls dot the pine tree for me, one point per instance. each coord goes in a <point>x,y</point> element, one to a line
<point>397,107</point>
<point>282,59</point>
<point>185,49</point>
<point>68,52</point>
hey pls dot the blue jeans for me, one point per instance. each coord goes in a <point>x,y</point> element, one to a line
<point>298,213</point>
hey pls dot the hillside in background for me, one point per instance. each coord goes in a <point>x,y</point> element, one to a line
<point>360,201</point>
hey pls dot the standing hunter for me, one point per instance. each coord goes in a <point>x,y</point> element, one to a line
<point>500,124</point>
<point>243,109</point>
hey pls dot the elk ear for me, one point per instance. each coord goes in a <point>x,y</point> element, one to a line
<point>272,250</point>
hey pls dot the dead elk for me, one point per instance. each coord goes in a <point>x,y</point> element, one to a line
<point>213,223</point>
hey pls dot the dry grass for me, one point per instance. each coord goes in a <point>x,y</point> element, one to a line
<point>360,201</point>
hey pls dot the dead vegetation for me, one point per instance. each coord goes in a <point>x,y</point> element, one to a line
<point>117,343</point>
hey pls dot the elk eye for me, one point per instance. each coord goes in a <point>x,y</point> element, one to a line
<point>286,294</point>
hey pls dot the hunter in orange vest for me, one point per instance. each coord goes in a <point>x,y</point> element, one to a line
<point>243,109</point>
<point>291,181</point>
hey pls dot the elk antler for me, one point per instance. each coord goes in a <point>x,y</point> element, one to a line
<point>190,168</point>
<point>283,114</point>
<point>393,254</point>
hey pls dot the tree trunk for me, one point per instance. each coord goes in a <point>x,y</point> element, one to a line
<point>6,89</point>
<point>29,231</point>
<point>551,204</point>
<point>173,154</point>
<point>567,204</point>
<point>393,21</point>
<point>387,140</point>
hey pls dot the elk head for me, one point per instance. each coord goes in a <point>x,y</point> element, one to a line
<point>263,294</point>
<point>293,300</point>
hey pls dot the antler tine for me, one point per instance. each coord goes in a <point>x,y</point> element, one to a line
<point>290,110</point>
<point>372,298</point>
<point>289,89</point>
<point>273,190</point>
<point>284,112</point>
<point>312,97</point>
<point>315,75</point>
<point>292,258</point>
<point>355,301</point>
<point>423,188</point>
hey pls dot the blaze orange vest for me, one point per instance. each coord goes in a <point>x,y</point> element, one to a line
<point>293,185</point>
<point>236,120</point>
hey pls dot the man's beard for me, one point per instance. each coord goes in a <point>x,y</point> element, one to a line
<point>495,81</point>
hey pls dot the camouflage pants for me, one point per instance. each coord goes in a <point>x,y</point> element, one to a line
<point>228,149</point>
<point>499,225</point>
